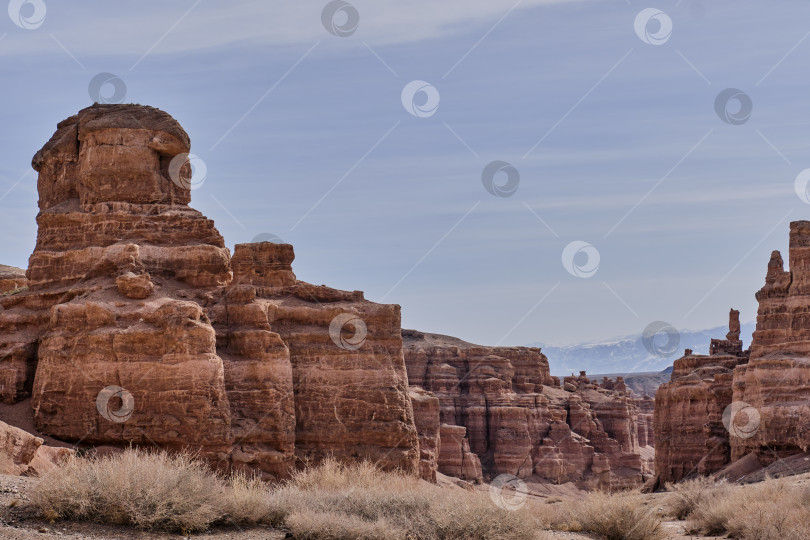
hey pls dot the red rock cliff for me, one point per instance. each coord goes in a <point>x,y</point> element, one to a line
<point>501,406</point>
<point>720,408</point>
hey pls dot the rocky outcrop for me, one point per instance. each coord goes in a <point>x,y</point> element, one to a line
<point>426,417</point>
<point>12,279</point>
<point>773,390</point>
<point>22,454</point>
<point>733,404</point>
<point>690,437</point>
<point>139,327</point>
<point>502,405</point>
<point>455,457</point>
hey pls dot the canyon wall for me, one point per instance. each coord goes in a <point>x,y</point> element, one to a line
<point>139,327</point>
<point>501,412</point>
<point>720,408</point>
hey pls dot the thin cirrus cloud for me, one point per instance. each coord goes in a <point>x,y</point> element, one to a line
<point>161,27</point>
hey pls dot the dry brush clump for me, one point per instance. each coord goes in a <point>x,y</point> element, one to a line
<point>337,501</point>
<point>149,490</point>
<point>689,495</point>
<point>333,501</point>
<point>770,510</point>
<point>612,516</point>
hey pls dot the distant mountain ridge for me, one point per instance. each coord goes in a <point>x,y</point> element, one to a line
<point>628,355</point>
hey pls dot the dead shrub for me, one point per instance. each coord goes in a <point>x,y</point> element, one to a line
<point>770,510</point>
<point>249,501</point>
<point>686,496</point>
<point>615,516</point>
<point>149,490</point>
<point>337,501</point>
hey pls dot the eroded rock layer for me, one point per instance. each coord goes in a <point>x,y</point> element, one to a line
<point>501,406</point>
<point>731,404</point>
<point>12,279</point>
<point>139,327</point>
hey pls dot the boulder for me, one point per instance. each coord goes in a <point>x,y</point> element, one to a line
<point>23,454</point>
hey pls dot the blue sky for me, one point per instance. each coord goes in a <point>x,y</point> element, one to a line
<point>305,136</point>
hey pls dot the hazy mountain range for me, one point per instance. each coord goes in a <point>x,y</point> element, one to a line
<point>628,354</point>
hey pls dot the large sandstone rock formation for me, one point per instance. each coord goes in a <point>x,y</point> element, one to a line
<point>501,412</point>
<point>139,327</point>
<point>720,408</point>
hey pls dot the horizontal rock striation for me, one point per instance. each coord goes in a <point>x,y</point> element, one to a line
<point>501,405</point>
<point>139,327</point>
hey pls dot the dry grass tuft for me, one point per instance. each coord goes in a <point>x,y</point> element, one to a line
<point>250,501</point>
<point>771,510</point>
<point>146,489</point>
<point>337,501</point>
<point>615,516</point>
<point>685,497</point>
